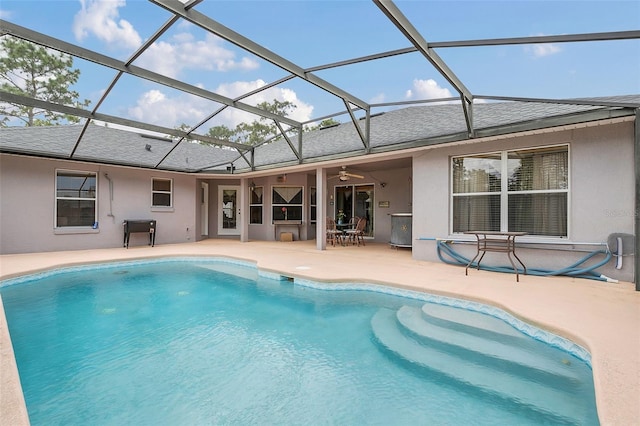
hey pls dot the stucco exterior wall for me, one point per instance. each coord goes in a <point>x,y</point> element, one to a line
<point>267,231</point>
<point>27,198</point>
<point>601,201</point>
<point>601,197</point>
<point>397,192</point>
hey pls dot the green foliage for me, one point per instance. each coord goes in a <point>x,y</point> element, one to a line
<point>324,123</point>
<point>221,132</point>
<point>36,72</point>
<point>258,130</point>
<point>184,128</point>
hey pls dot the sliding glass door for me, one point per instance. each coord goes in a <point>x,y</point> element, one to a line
<point>356,201</point>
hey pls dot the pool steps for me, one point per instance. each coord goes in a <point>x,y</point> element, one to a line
<point>231,269</point>
<point>507,352</point>
<point>407,334</point>
<point>477,322</point>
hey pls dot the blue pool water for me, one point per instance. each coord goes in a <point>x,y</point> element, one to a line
<point>189,342</point>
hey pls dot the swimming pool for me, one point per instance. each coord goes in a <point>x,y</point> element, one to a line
<point>191,341</point>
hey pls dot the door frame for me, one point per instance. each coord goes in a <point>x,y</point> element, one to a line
<point>204,209</point>
<point>228,231</point>
<point>354,187</point>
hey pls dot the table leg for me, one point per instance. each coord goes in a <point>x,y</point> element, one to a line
<point>511,249</point>
<point>516,256</point>
<point>513,265</point>
<point>466,270</point>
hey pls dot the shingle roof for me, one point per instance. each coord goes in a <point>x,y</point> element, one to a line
<point>393,130</point>
<point>114,146</point>
<point>425,125</point>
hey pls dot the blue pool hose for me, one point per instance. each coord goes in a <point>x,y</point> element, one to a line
<point>574,270</point>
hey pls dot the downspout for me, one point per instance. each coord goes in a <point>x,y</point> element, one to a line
<point>110,197</point>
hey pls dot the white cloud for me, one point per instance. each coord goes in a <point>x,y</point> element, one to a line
<point>184,52</point>
<point>237,88</point>
<point>5,14</point>
<point>100,17</point>
<point>303,110</point>
<point>427,89</point>
<point>162,58</point>
<point>301,113</point>
<point>155,107</point>
<point>542,50</point>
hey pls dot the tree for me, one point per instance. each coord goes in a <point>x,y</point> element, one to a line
<point>183,127</point>
<point>221,132</point>
<point>37,72</point>
<point>324,123</point>
<point>329,122</point>
<point>258,130</point>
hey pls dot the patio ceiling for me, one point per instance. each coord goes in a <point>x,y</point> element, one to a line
<point>359,136</point>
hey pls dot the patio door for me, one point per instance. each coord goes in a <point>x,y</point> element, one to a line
<point>356,200</point>
<point>228,210</point>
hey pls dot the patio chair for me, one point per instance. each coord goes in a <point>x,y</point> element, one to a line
<point>356,235</point>
<point>334,235</point>
<point>354,222</point>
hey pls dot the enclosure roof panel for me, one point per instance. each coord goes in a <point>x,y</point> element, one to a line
<point>193,84</point>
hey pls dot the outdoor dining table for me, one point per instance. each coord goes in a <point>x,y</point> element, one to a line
<point>495,241</point>
<point>343,228</point>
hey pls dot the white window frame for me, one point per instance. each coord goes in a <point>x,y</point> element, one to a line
<point>504,187</point>
<point>70,228</point>
<point>261,205</point>
<point>279,206</point>
<point>170,192</point>
<point>313,211</point>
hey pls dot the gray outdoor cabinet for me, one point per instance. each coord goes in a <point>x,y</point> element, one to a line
<point>401,229</point>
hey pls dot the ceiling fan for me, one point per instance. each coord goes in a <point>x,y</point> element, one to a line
<point>344,175</point>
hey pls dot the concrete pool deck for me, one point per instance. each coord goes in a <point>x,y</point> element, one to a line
<point>602,317</point>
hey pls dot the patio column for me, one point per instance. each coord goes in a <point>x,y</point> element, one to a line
<point>636,257</point>
<point>321,208</point>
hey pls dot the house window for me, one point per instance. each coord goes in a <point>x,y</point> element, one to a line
<point>161,192</point>
<point>255,205</point>
<point>517,191</point>
<point>312,204</point>
<point>287,202</point>
<point>76,200</point>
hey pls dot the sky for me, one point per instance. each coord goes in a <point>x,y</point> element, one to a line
<point>312,33</point>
